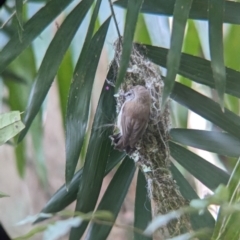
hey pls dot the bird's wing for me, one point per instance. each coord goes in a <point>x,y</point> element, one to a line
<point>127,123</point>
<point>127,127</point>
<point>133,126</point>
<point>138,127</point>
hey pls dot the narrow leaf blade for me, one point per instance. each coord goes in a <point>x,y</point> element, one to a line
<point>207,108</point>
<point>227,225</point>
<point>113,198</point>
<point>80,94</point>
<point>10,125</point>
<point>210,175</point>
<point>216,13</point>
<point>32,29</point>
<point>64,77</point>
<point>99,148</point>
<point>19,15</point>
<point>212,141</point>
<point>196,69</point>
<point>198,221</point>
<point>180,16</point>
<point>49,68</point>
<point>62,198</point>
<point>199,9</point>
<point>79,100</point>
<point>142,210</point>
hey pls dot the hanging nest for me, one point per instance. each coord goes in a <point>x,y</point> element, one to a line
<point>152,154</point>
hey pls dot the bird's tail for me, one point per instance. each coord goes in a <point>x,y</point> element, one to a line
<point>119,143</point>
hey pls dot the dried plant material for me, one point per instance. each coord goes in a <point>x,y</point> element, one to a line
<point>152,154</point>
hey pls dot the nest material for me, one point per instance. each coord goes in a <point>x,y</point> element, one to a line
<point>152,154</point>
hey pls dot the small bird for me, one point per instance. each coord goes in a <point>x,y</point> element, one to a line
<point>132,119</point>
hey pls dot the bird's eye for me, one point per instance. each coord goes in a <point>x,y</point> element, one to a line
<point>128,95</point>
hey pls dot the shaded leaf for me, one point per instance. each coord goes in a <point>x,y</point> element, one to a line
<point>207,108</point>
<point>8,75</point>
<point>199,9</point>
<point>129,30</point>
<point>216,13</point>
<point>99,148</point>
<point>112,200</point>
<point>180,16</point>
<point>142,210</point>
<point>198,221</point>
<point>196,69</point>
<point>49,68</point>
<point>210,175</point>
<point>62,198</point>
<point>217,142</point>
<point>19,15</point>
<point>37,138</point>
<point>80,94</point>
<point>32,29</point>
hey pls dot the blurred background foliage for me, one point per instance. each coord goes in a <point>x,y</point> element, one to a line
<point>67,46</point>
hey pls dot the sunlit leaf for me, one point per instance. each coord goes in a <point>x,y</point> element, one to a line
<point>227,225</point>
<point>64,77</point>
<point>19,101</point>
<point>9,75</point>
<point>10,125</point>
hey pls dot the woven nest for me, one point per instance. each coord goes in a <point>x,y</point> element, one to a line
<point>152,154</point>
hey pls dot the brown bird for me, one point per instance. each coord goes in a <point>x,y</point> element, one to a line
<point>132,119</point>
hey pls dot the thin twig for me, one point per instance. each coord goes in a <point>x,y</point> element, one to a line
<point>115,20</point>
<point>11,16</point>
